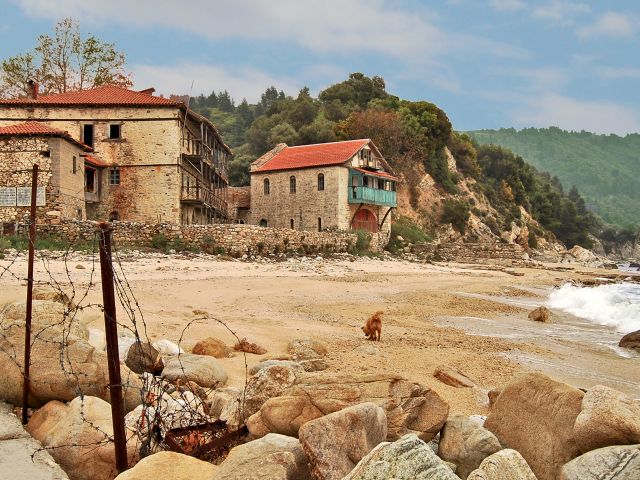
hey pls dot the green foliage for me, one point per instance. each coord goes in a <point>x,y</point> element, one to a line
<point>160,242</point>
<point>64,62</point>
<point>46,242</point>
<point>409,231</point>
<point>605,168</point>
<point>358,90</point>
<point>456,212</point>
<point>363,240</point>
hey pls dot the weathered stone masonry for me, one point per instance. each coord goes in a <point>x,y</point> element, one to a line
<point>232,239</point>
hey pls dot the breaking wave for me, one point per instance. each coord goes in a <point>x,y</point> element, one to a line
<point>616,305</point>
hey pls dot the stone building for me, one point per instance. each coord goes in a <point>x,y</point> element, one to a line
<point>153,159</point>
<point>328,186</point>
<point>61,179</point>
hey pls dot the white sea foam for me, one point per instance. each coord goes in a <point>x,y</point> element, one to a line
<point>617,305</point>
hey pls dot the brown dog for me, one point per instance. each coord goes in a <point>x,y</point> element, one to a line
<point>373,328</point>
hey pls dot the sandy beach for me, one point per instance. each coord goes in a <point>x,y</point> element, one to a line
<point>471,318</point>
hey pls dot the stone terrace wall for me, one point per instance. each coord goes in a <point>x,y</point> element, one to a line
<point>232,239</point>
<point>474,252</point>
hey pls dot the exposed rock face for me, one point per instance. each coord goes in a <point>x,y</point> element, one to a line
<point>409,407</point>
<point>631,340</point>
<point>582,255</point>
<point>408,458</point>
<point>77,436</point>
<point>535,416</point>
<point>608,417</point>
<point>175,466</point>
<point>619,462</point>
<point>503,465</point>
<point>212,347</point>
<point>335,443</point>
<point>143,357</point>
<point>540,314</point>
<point>63,363</point>
<point>268,383</point>
<point>466,444</point>
<point>306,349</point>
<point>204,370</point>
<point>226,404</point>
<point>453,377</point>
<point>274,457</point>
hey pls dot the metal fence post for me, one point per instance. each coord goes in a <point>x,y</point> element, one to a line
<point>111,331</point>
<point>27,320</point>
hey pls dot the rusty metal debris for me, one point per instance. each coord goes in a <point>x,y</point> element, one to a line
<point>206,441</point>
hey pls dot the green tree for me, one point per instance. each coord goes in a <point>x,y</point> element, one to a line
<point>64,62</point>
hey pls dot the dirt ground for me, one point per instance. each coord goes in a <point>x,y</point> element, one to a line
<point>469,318</point>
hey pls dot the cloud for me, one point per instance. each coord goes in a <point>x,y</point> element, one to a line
<point>610,24</point>
<point>560,13</point>
<point>507,5</point>
<point>568,113</point>
<point>615,73</point>
<point>245,82</point>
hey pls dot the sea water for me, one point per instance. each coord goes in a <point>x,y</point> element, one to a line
<point>615,305</point>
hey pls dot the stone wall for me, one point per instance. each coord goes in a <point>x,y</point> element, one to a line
<point>474,252</point>
<point>232,239</point>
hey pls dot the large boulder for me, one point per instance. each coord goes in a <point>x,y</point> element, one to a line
<point>273,457</point>
<point>408,458</point>
<point>204,370</point>
<point>63,363</point>
<point>306,349</point>
<point>466,444</point>
<point>212,347</point>
<point>78,436</point>
<point>540,314</point>
<point>175,466</point>
<point>620,462</point>
<point>335,443</point>
<point>608,417</point>
<point>631,340</point>
<point>503,465</point>
<point>144,357</point>
<point>225,404</point>
<point>267,383</point>
<point>409,407</point>
<point>535,416</point>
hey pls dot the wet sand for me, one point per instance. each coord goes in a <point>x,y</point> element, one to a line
<point>466,317</point>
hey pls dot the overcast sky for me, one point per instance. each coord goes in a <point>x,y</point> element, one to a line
<point>487,63</point>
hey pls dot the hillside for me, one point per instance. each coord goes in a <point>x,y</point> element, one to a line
<point>451,189</point>
<point>605,168</point>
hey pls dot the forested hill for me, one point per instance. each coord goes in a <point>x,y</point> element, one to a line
<point>605,168</point>
<point>486,193</point>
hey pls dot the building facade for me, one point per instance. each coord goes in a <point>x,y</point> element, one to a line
<point>153,159</point>
<point>61,181</point>
<point>331,186</point>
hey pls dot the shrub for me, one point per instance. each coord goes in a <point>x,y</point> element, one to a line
<point>160,242</point>
<point>532,240</point>
<point>409,231</point>
<point>455,212</point>
<point>363,240</point>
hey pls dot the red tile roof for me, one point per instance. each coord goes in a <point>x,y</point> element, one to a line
<point>317,155</point>
<point>91,160</point>
<point>105,95</point>
<point>40,129</point>
<point>375,173</point>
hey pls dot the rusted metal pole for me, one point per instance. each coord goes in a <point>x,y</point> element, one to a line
<point>27,320</point>
<point>113,360</point>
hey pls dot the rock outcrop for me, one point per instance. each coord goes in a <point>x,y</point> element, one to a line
<point>631,340</point>
<point>620,462</point>
<point>503,465</point>
<point>535,415</point>
<point>408,458</point>
<point>466,444</point>
<point>299,398</point>
<point>335,443</point>
<point>453,377</point>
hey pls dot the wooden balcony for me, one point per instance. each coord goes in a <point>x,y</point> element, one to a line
<point>372,196</point>
<point>198,194</point>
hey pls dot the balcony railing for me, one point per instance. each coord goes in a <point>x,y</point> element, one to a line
<point>197,193</point>
<point>373,196</point>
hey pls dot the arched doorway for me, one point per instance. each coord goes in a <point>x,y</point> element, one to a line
<point>365,220</point>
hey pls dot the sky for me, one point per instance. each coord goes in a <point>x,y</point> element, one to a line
<point>487,63</point>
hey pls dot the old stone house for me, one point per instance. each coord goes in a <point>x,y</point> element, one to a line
<point>328,186</point>
<point>61,184</point>
<point>153,159</point>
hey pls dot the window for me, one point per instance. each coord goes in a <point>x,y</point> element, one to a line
<point>263,222</point>
<point>320,182</point>
<point>292,224</point>
<point>267,186</point>
<point>114,176</point>
<point>114,131</point>
<point>292,184</point>
<point>89,180</point>
<point>87,135</point>
<point>365,181</point>
<point>74,167</point>
<point>319,224</point>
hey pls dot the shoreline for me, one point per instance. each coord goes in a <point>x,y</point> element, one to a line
<point>452,315</point>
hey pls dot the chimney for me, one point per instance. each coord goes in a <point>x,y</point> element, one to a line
<point>148,91</point>
<point>34,87</point>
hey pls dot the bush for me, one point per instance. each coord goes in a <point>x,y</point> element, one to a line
<point>363,240</point>
<point>532,240</point>
<point>409,231</point>
<point>455,212</point>
<point>160,242</point>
